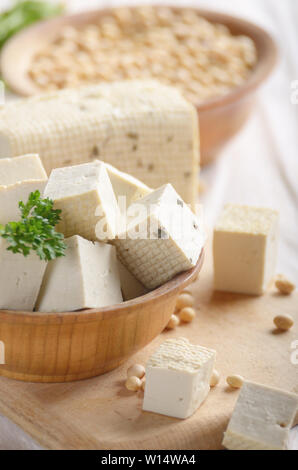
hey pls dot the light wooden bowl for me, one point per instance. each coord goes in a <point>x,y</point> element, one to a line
<point>63,347</point>
<point>220,118</point>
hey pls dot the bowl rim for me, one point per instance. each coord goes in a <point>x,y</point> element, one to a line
<point>261,71</point>
<point>177,283</point>
<point>264,66</point>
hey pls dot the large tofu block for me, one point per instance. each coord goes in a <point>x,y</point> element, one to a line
<point>18,178</point>
<point>177,378</point>
<point>142,127</point>
<point>261,419</point>
<point>85,195</point>
<point>162,237</point>
<point>87,277</point>
<point>245,249</point>
<point>20,279</point>
<point>126,186</point>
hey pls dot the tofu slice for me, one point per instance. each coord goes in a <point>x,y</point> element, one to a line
<point>178,378</point>
<point>245,246</point>
<point>87,277</point>
<point>20,279</point>
<point>262,419</point>
<point>162,237</point>
<point>130,286</point>
<point>85,195</point>
<point>127,186</point>
<point>23,168</point>
<point>19,177</point>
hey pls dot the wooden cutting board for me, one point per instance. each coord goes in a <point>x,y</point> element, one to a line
<point>101,414</point>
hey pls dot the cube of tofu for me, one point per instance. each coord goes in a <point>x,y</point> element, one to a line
<point>261,419</point>
<point>162,237</point>
<point>85,195</point>
<point>20,279</point>
<point>178,378</point>
<point>127,186</point>
<point>245,249</point>
<point>87,277</point>
<point>19,177</point>
<point>130,286</point>
<point>23,168</point>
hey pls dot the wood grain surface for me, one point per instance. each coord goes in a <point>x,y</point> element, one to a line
<point>100,413</point>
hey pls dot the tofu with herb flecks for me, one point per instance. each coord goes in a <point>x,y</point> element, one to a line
<point>132,124</point>
<point>162,237</point>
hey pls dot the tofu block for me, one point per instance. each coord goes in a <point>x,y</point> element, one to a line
<point>85,195</point>
<point>20,279</point>
<point>87,277</point>
<point>130,286</point>
<point>262,419</point>
<point>23,168</point>
<point>245,249</point>
<point>177,378</point>
<point>162,237</point>
<point>142,127</point>
<point>18,178</point>
<point>127,186</point>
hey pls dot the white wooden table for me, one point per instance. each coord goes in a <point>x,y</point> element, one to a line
<point>260,166</point>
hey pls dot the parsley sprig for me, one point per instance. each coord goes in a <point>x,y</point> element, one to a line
<point>36,229</point>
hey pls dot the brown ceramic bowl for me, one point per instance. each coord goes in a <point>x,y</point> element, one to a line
<point>62,347</point>
<point>220,118</point>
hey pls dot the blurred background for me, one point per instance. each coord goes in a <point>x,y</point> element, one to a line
<point>259,165</point>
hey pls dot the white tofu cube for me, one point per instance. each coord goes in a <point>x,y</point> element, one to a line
<point>23,168</point>
<point>126,186</point>
<point>19,177</point>
<point>130,286</point>
<point>178,378</point>
<point>11,195</point>
<point>162,237</point>
<point>85,195</point>
<point>87,277</point>
<point>20,279</point>
<point>262,419</point>
<point>245,249</point>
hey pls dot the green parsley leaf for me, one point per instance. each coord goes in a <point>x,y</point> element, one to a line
<point>36,229</point>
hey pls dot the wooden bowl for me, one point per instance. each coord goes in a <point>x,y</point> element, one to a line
<point>63,347</point>
<point>220,118</point>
